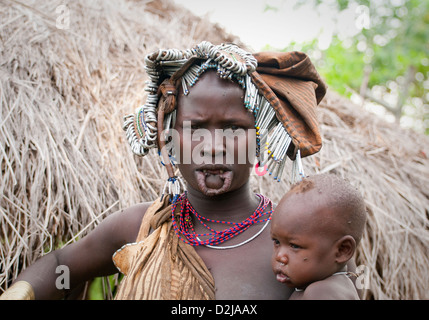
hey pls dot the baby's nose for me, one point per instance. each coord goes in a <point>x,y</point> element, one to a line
<point>282,259</point>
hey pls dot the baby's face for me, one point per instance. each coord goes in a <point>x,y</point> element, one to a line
<point>304,249</point>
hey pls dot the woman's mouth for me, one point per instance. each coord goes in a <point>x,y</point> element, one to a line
<point>214,179</point>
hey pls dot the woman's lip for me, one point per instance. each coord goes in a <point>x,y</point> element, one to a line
<point>213,169</point>
<point>214,181</point>
<point>220,171</point>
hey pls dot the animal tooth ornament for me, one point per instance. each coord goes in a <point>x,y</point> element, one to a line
<point>282,91</point>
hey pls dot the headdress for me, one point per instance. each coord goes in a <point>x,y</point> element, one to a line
<point>282,91</point>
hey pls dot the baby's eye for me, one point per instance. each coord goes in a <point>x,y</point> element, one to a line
<point>276,242</point>
<point>294,246</point>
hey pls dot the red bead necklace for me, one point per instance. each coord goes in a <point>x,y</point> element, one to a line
<point>185,230</point>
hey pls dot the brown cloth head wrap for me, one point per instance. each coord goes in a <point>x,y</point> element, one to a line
<point>292,85</point>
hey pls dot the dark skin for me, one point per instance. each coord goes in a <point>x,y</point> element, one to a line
<point>243,272</point>
<point>221,192</point>
<point>310,245</point>
<point>87,258</point>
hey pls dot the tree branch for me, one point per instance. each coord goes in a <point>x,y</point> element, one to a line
<point>370,96</point>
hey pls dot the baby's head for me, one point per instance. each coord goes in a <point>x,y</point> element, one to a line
<point>316,228</point>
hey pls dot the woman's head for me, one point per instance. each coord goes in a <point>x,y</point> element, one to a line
<point>283,104</point>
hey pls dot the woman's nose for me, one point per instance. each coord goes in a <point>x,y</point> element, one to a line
<point>214,146</point>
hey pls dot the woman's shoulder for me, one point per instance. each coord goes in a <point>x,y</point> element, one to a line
<point>125,223</point>
<point>137,210</point>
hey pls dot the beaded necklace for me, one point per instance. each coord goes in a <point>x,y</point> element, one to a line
<point>184,228</point>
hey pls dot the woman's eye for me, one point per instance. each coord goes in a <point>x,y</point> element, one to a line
<point>233,127</point>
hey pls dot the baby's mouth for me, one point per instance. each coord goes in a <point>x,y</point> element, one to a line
<point>214,180</point>
<point>281,277</point>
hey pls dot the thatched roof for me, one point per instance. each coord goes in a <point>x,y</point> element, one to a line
<point>65,163</point>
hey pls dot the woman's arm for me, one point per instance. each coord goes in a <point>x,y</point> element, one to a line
<point>85,259</point>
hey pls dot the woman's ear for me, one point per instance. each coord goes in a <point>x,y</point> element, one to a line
<point>345,247</point>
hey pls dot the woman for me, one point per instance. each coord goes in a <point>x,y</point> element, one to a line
<point>210,241</point>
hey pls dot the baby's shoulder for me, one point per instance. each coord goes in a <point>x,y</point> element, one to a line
<point>335,287</point>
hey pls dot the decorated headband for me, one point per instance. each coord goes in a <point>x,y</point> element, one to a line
<point>282,93</point>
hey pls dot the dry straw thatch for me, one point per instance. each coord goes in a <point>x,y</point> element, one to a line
<point>65,163</point>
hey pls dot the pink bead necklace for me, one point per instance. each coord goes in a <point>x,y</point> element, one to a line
<point>185,230</point>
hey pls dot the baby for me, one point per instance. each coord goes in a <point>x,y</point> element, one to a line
<point>316,228</point>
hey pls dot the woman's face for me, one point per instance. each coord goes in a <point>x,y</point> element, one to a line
<point>215,144</point>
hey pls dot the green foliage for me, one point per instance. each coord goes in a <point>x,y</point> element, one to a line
<point>394,49</point>
<point>270,8</point>
<point>96,290</point>
<point>342,67</point>
<point>102,287</point>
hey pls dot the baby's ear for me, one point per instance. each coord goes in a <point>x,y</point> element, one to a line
<point>346,247</point>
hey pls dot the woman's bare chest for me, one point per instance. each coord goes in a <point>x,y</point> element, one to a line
<point>244,272</point>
